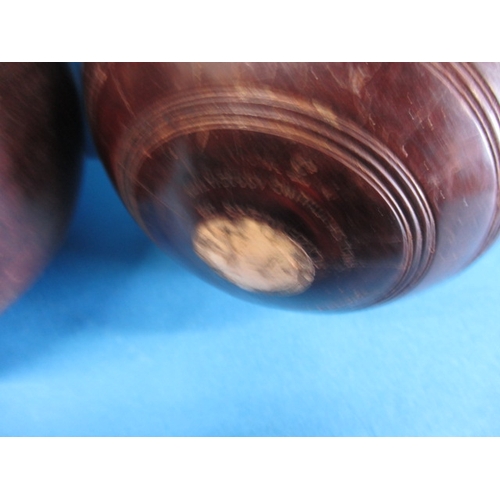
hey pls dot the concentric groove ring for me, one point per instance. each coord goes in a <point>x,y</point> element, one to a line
<point>309,123</point>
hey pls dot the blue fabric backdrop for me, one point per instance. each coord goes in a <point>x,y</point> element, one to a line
<point>117,338</point>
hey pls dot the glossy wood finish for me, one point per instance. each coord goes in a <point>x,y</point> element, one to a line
<point>384,176</point>
<point>40,139</point>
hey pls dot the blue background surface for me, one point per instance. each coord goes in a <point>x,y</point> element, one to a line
<point>117,338</point>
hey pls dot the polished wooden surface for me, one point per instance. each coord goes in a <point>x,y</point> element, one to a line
<point>384,175</point>
<point>40,139</point>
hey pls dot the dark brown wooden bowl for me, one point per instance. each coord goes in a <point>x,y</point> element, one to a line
<point>317,186</point>
<point>40,140</point>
